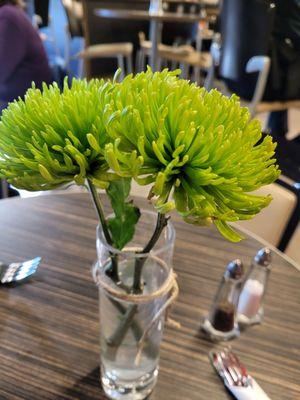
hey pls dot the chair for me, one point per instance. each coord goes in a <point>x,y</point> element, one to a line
<point>293,249</point>
<point>195,59</point>
<point>240,53</point>
<point>120,51</point>
<point>177,38</point>
<point>259,64</point>
<point>163,51</point>
<point>98,30</point>
<point>184,56</point>
<point>277,223</point>
<point>204,34</point>
<point>293,223</point>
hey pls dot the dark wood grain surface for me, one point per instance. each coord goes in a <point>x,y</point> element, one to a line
<point>49,325</point>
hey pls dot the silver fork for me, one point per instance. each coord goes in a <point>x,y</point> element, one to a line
<point>235,376</point>
<point>17,272</point>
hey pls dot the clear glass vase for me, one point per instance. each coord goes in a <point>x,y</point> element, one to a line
<point>131,324</point>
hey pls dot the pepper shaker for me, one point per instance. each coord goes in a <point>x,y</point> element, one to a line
<point>221,323</point>
<point>250,309</point>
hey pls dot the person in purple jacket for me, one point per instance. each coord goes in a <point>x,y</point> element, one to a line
<point>23,59</point>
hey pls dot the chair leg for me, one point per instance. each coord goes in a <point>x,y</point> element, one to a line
<point>138,61</point>
<point>121,65</point>
<point>80,70</point>
<point>209,80</point>
<point>174,65</point>
<point>184,70</point>
<point>129,64</point>
<point>141,61</point>
<point>199,49</point>
<point>164,63</point>
<point>159,64</point>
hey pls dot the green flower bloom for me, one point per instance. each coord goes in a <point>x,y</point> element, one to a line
<point>53,138</point>
<point>200,150</point>
<point>200,147</point>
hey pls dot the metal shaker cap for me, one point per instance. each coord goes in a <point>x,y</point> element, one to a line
<point>263,257</point>
<point>235,269</point>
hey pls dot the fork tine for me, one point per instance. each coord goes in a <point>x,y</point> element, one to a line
<point>35,262</point>
<point>240,368</point>
<point>29,269</point>
<point>234,371</point>
<point>236,360</point>
<point>239,376</point>
<point>217,362</point>
<point>228,367</point>
<point>19,271</point>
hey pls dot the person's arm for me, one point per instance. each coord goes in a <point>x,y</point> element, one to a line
<point>12,48</point>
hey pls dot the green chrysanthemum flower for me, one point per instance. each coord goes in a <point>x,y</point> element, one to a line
<point>202,148</point>
<point>53,138</point>
<point>199,148</point>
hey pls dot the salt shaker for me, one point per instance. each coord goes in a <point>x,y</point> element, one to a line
<point>221,323</point>
<point>250,309</point>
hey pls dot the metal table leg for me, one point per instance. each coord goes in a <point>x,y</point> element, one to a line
<point>155,38</point>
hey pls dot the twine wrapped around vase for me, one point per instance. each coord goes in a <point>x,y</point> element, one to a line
<point>169,287</point>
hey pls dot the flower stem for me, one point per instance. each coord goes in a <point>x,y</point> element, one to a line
<point>113,273</point>
<point>161,223</point>
<point>118,336</point>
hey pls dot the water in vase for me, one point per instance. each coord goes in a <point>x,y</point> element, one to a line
<point>128,373</point>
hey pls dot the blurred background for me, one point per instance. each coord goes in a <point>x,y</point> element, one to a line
<point>247,47</point>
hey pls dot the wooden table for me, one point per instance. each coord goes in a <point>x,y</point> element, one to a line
<point>156,21</point>
<point>49,326</point>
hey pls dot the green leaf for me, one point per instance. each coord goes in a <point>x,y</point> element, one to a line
<point>122,225</point>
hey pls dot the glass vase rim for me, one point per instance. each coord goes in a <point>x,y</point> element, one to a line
<point>169,240</point>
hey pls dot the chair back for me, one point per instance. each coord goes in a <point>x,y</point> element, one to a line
<point>293,249</point>
<point>271,223</point>
<point>99,30</point>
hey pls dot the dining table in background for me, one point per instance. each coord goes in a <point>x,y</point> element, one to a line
<point>49,329</point>
<point>156,21</point>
